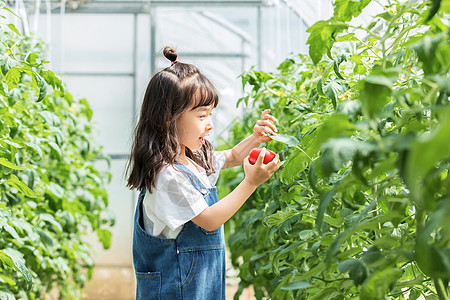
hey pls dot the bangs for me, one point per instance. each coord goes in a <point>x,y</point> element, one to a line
<point>205,93</point>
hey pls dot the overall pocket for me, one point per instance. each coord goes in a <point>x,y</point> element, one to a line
<point>188,267</point>
<point>148,285</point>
<point>210,232</point>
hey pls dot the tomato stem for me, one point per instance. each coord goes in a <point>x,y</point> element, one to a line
<point>304,152</point>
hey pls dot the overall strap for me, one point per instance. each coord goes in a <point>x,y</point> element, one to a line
<point>192,177</point>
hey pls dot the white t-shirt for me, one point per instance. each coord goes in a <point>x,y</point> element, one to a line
<point>175,201</point>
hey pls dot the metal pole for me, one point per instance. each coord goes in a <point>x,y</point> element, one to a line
<point>259,41</point>
<point>135,28</point>
<point>152,14</point>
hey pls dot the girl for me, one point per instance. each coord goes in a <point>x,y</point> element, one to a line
<point>178,242</point>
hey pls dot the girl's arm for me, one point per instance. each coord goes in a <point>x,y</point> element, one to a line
<point>216,215</point>
<point>235,156</point>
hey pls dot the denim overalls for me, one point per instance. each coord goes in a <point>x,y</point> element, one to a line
<point>189,267</point>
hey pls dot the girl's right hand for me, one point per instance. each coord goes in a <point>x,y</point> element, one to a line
<point>259,172</point>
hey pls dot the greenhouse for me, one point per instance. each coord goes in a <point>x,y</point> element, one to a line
<point>127,149</point>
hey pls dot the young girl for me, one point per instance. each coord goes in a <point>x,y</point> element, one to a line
<point>178,242</point>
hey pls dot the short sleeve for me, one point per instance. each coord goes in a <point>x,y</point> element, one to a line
<point>219,158</point>
<point>176,201</point>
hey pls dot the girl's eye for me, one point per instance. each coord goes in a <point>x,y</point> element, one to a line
<point>204,116</point>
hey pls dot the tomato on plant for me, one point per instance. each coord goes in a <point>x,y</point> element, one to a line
<point>268,157</point>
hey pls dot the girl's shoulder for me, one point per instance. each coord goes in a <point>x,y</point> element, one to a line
<point>168,173</point>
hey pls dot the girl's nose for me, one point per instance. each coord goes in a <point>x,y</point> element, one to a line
<point>209,126</point>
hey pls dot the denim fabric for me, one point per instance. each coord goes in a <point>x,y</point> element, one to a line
<point>189,267</point>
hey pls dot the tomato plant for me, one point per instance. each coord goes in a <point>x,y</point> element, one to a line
<point>51,192</point>
<point>268,156</point>
<point>361,205</point>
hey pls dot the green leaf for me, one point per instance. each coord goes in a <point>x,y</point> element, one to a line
<point>280,216</point>
<point>296,162</point>
<point>436,4</point>
<point>332,89</point>
<point>10,165</point>
<point>42,87</point>
<point>35,148</point>
<point>19,264</point>
<point>7,63</point>
<point>6,294</point>
<point>380,283</point>
<point>337,62</point>
<point>375,93</point>
<point>104,236</point>
<point>32,58</point>
<point>335,153</point>
<point>426,151</point>
<point>323,203</point>
<point>426,51</point>
<point>345,10</point>
<point>357,270</point>
<point>52,79</point>
<point>336,125</point>
<point>12,78</point>
<point>46,238</point>
<point>56,149</point>
<point>291,141</point>
<point>298,285</point>
<point>306,234</point>
<point>6,260</point>
<point>321,38</point>
<point>13,28</point>
<point>22,187</point>
<point>432,259</point>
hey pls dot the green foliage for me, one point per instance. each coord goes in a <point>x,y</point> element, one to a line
<point>360,208</point>
<point>51,193</point>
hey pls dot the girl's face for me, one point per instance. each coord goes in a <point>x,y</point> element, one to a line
<point>193,126</point>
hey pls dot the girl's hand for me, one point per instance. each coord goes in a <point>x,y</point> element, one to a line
<point>265,125</point>
<point>258,173</point>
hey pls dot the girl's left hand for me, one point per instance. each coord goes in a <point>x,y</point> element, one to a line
<point>265,125</point>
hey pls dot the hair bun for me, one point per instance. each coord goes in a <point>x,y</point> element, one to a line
<point>170,53</point>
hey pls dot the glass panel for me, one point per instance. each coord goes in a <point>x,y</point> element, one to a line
<point>111,101</point>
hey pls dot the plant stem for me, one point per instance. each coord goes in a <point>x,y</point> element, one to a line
<point>304,152</point>
<point>440,289</point>
<point>368,47</point>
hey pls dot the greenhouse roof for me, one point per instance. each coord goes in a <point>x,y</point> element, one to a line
<point>143,6</point>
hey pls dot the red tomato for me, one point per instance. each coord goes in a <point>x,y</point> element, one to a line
<point>253,156</point>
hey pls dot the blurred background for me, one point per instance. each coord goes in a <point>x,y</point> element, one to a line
<point>106,51</point>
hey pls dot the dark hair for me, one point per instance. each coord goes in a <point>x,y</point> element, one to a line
<point>169,94</point>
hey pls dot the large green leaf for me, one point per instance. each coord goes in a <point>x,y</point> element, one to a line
<point>436,4</point>
<point>337,125</point>
<point>332,89</point>
<point>426,50</point>
<point>426,151</point>
<point>19,264</point>
<point>7,63</point>
<point>321,38</point>
<point>15,182</point>
<point>380,283</point>
<point>289,140</point>
<point>345,10</point>
<point>8,164</point>
<point>323,204</point>
<point>357,270</point>
<point>13,76</point>
<point>375,94</point>
<point>296,162</point>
